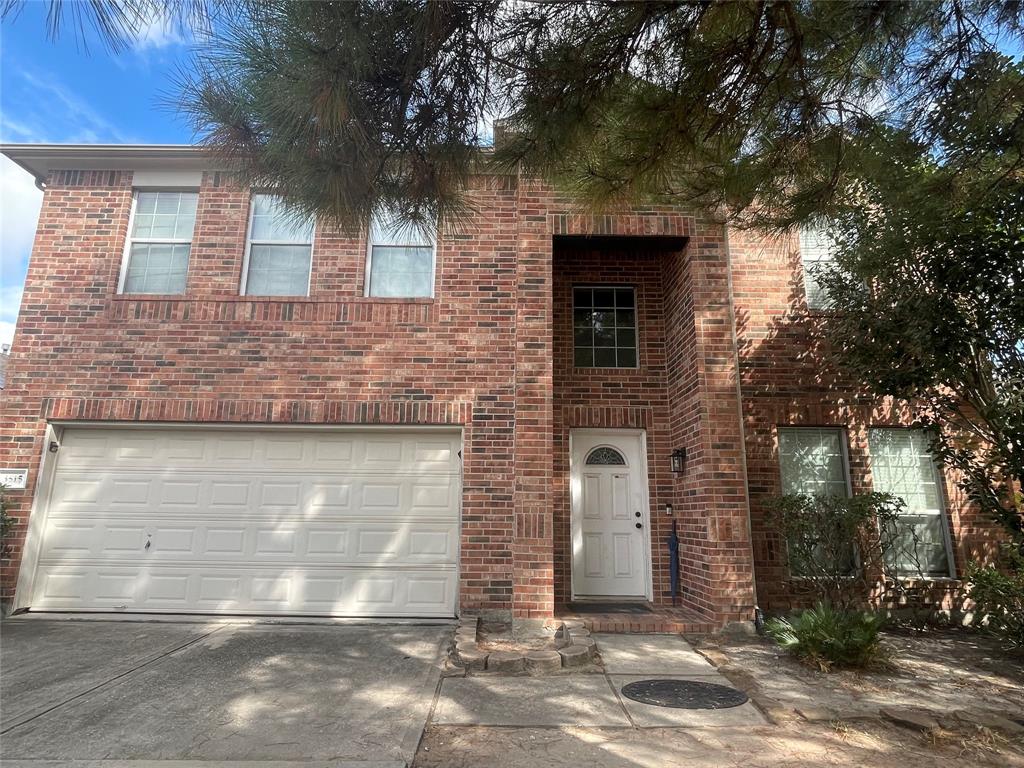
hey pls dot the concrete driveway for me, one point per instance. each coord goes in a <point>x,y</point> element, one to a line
<point>213,691</point>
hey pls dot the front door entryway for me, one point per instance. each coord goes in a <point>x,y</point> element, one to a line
<point>608,486</point>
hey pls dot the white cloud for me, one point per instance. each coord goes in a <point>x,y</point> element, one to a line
<point>160,32</point>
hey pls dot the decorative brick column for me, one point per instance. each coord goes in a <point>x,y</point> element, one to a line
<point>533,545</point>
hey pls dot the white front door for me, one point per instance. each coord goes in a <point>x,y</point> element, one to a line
<point>608,472</point>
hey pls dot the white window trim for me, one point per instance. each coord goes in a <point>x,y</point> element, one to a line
<point>636,326</point>
<point>129,240</point>
<point>943,515</point>
<point>249,243</point>
<point>369,264</point>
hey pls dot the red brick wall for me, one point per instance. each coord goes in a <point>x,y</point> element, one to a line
<point>785,381</point>
<point>491,353</point>
<point>82,352</point>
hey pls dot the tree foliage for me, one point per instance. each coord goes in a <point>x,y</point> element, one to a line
<point>846,552</point>
<point>927,289</point>
<point>350,105</point>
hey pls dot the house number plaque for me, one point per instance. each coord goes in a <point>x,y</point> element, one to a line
<point>13,479</point>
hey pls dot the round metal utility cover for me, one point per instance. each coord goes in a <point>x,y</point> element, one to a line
<point>683,694</point>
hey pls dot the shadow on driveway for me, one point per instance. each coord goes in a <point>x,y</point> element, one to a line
<point>91,690</point>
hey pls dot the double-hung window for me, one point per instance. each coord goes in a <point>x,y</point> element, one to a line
<point>400,259</point>
<point>279,252</point>
<point>159,242</point>
<point>815,253</point>
<point>813,463</point>
<point>604,327</point>
<point>902,464</point>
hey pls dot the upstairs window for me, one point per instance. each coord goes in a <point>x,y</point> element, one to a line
<point>604,327</point>
<point>902,464</point>
<point>159,242</point>
<point>279,251</point>
<point>400,261</point>
<point>815,253</point>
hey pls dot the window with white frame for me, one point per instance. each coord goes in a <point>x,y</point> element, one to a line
<point>159,242</point>
<point>902,464</point>
<point>815,253</point>
<point>400,259</point>
<point>279,251</point>
<point>812,462</point>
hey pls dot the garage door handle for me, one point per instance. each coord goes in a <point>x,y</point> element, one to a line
<point>148,542</point>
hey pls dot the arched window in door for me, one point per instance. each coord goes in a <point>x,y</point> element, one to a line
<point>606,456</point>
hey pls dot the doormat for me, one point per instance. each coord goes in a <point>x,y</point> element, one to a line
<point>610,608</point>
<point>684,694</point>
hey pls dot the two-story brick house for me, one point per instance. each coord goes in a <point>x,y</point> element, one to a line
<point>221,410</point>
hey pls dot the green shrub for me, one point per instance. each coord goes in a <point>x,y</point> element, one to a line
<point>827,637</point>
<point>844,551</point>
<point>6,523</point>
<point>998,595</point>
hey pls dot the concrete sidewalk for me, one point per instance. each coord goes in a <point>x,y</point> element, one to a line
<point>592,700</point>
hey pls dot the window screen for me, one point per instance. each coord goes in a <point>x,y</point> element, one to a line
<point>902,464</point>
<point>812,463</point>
<point>280,250</point>
<point>160,242</point>
<point>815,252</point>
<point>401,259</point>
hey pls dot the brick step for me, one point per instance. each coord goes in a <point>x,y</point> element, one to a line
<point>659,621</point>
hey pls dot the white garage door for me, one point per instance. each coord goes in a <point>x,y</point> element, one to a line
<point>240,521</point>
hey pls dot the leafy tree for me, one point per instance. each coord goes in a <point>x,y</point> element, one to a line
<point>928,284</point>
<point>345,106</point>
<point>117,23</point>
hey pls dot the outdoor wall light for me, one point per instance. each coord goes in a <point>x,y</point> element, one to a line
<point>679,460</point>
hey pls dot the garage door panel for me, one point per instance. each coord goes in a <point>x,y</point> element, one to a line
<point>341,591</point>
<point>112,540</point>
<point>261,521</point>
<point>308,497</point>
<point>262,451</point>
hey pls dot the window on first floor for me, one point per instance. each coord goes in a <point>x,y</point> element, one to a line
<point>279,251</point>
<point>604,327</point>
<point>812,462</point>
<point>159,242</point>
<point>902,464</point>
<point>400,259</point>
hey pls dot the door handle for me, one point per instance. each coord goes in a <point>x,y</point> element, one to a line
<point>639,525</point>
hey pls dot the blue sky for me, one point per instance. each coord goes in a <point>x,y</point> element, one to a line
<point>57,92</point>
